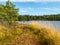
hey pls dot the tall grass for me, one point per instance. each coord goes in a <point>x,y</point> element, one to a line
<point>29,34</point>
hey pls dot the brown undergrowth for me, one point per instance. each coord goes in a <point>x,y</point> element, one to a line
<point>29,34</point>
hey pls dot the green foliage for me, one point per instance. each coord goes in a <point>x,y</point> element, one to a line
<point>12,12</point>
<point>8,13</point>
<point>44,17</point>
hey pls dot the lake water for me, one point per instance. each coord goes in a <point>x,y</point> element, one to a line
<point>55,24</point>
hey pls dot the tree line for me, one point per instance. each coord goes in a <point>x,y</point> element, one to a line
<point>53,17</point>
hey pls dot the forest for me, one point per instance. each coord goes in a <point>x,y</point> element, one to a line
<point>51,17</point>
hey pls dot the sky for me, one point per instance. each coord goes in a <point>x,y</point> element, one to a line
<point>36,7</point>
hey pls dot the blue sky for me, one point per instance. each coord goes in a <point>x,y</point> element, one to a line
<point>36,7</point>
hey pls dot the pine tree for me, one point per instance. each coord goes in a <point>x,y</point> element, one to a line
<point>12,13</point>
<point>2,13</point>
<point>8,14</point>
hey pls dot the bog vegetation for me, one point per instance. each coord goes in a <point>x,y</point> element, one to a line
<point>12,33</point>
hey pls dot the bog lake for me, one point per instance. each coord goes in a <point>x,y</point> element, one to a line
<point>54,24</point>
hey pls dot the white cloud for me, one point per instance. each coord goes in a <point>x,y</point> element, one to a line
<point>46,8</point>
<point>23,11</point>
<point>26,9</point>
<point>18,0</point>
<point>33,0</point>
<point>36,10</point>
<point>47,0</point>
<point>56,10</point>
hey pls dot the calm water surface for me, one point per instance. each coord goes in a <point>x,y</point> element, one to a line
<point>55,24</point>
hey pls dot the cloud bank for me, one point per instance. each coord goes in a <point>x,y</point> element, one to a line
<point>32,0</point>
<point>36,11</point>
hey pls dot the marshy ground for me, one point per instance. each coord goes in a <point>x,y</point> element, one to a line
<point>29,34</point>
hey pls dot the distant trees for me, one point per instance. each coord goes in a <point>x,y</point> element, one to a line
<point>44,17</point>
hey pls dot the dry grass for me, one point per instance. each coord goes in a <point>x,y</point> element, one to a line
<point>32,34</point>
